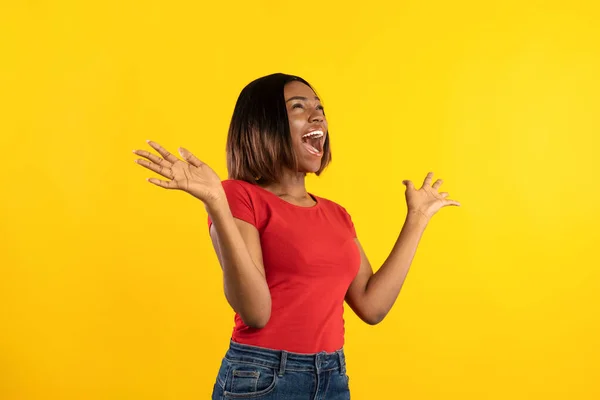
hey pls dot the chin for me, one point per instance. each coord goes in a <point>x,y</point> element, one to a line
<point>310,168</point>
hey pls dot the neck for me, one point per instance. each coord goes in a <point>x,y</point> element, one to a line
<point>291,184</point>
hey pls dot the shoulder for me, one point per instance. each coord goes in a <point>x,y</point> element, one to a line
<point>237,184</point>
<point>330,203</point>
<point>239,191</point>
<point>341,214</point>
<point>332,206</point>
<point>246,192</point>
<point>244,202</point>
<point>239,187</point>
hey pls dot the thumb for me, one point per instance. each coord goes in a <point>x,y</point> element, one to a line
<point>408,184</point>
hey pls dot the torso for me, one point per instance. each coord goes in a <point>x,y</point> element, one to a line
<point>310,260</point>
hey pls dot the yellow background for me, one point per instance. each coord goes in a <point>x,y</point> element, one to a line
<point>109,288</point>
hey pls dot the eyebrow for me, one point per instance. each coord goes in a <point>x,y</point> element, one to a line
<point>301,98</point>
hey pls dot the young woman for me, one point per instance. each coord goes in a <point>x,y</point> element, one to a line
<point>289,258</point>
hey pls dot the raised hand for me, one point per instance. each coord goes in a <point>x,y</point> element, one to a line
<point>426,200</point>
<point>192,175</point>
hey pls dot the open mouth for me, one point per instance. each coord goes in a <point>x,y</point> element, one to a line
<point>313,142</point>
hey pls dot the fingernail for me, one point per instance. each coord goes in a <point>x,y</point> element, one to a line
<point>147,140</point>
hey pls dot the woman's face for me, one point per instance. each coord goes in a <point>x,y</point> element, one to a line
<point>308,125</point>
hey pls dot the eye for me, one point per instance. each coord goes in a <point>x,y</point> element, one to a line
<point>320,107</point>
<point>298,105</point>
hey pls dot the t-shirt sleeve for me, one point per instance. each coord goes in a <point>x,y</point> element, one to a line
<point>240,202</point>
<point>349,222</point>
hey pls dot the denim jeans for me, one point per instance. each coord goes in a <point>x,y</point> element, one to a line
<point>250,372</point>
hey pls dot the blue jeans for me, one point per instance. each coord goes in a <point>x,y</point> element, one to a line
<point>250,372</point>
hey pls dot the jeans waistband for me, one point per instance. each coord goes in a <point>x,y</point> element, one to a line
<point>282,360</point>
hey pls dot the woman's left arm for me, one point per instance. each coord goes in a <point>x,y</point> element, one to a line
<point>370,295</point>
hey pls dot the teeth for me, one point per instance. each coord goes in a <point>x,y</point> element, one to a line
<point>313,134</point>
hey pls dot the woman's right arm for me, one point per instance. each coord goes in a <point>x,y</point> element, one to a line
<point>237,244</point>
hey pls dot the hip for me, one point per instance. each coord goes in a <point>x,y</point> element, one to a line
<point>251,372</point>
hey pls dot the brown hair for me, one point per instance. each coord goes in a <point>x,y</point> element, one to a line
<point>259,144</point>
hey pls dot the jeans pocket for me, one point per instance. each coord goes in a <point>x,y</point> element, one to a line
<point>249,381</point>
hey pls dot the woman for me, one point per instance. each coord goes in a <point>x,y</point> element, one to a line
<point>289,258</point>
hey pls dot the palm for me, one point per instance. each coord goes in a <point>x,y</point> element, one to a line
<point>427,200</point>
<point>192,175</point>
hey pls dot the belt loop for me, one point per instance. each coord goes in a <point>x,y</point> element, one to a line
<point>282,363</point>
<point>342,361</point>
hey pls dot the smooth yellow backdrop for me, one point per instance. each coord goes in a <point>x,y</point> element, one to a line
<point>109,288</point>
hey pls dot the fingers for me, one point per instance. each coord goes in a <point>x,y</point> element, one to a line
<point>428,178</point>
<point>448,202</point>
<point>164,153</point>
<point>408,184</point>
<point>159,169</point>
<point>444,195</point>
<point>152,157</point>
<point>189,157</point>
<point>163,184</point>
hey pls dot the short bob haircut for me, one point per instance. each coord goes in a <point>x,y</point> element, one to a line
<point>259,143</point>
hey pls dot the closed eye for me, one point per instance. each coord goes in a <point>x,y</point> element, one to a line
<point>300,105</point>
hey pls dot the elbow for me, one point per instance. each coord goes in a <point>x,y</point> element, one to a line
<point>254,312</point>
<point>256,325</point>
<point>367,313</point>
<point>372,321</point>
<point>373,318</point>
<point>258,317</point>
<point>256,321</point>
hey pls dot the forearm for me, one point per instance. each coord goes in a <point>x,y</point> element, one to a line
<point>384,286</point>
<point>245,286</point>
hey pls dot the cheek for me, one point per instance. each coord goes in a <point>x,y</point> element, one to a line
<point>296,126</point>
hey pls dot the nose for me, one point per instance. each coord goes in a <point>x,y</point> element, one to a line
<point>316,116</point>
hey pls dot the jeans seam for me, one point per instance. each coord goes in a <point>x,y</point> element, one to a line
<point>255,394</point>
<point>328,380</point>
<point>268,364</point>
<point>257,362</point>
<point>221,382</point>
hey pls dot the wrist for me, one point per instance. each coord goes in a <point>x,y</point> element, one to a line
<point>217,205</point>
<point>417,217</point>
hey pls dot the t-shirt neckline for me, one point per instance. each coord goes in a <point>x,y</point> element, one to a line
<point>315,198</point>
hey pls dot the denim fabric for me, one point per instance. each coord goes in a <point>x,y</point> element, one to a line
<point>250,372</point>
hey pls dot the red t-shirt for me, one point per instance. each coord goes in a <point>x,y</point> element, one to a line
<point>310,259</point>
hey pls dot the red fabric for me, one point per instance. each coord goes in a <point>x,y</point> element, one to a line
<point>310,259</point>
